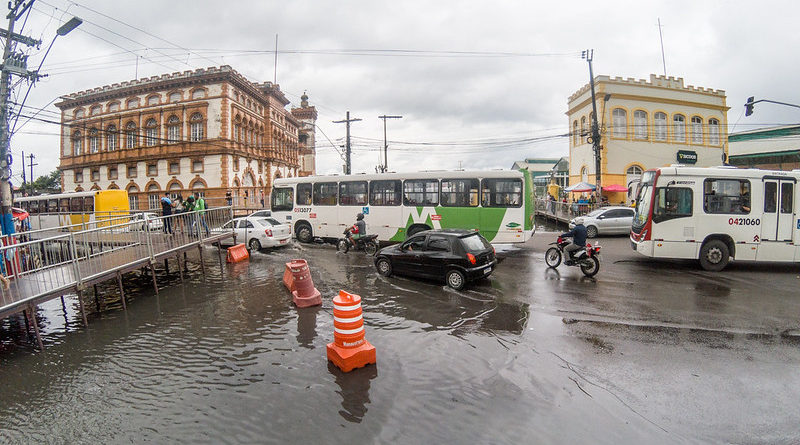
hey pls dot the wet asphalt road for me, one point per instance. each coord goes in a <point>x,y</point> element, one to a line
<point>646,352</point>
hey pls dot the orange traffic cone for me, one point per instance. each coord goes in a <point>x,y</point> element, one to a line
<point>288,278</point>
<point>303,290</point>
<point>349,350</point>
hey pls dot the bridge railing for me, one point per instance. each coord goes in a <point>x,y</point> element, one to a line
<point>37,267</point>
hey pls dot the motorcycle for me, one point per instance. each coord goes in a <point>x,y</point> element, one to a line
<point>369,243</point>
<point>587,258</point>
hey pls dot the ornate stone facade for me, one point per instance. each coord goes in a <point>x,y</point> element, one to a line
<point>209,131</point>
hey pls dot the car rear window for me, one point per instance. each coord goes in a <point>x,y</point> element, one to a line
<point>272,221</point>
<point>475,243</point>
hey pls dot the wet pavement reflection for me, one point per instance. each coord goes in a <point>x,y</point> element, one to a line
<point>655,352</point>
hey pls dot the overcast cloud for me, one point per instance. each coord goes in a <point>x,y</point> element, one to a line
<point>745,48</point>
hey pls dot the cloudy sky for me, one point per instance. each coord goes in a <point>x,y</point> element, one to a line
<point>479,84</point>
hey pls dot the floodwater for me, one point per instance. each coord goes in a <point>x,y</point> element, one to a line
<point>227,358</point>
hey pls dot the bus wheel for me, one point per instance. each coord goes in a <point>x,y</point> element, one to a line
<point>714,255</point>
<point>304,234</point>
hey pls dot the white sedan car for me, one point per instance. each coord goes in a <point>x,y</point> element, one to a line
<point>607,221</point>
<point>258,233</point>
<point>146,220</point>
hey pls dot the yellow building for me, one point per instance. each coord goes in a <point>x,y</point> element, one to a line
<point>643,125</point>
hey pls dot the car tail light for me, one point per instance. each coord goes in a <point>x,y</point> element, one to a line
<point>268,232</point>
<point>494,252</point>
<point>472,258</point>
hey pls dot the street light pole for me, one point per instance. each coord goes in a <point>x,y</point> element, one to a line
<point>589,55</point>
<point>385,167</point>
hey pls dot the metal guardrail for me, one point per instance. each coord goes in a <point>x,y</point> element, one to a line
<point>54,264</point>
<point>564,211</point>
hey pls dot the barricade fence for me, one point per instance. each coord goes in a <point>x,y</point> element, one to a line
<point>49,265</point>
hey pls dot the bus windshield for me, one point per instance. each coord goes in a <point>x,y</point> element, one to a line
<point>642,206</point>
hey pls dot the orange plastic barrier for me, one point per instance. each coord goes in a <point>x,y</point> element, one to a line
<point>349,350</point>
<point>288,278</point>
<point>237,253</point>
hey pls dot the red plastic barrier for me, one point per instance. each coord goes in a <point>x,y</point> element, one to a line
<point>302,286</point>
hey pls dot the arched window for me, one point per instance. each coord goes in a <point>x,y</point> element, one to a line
<point>198,93</point>
<point>175,97</point>
<point>150,132</point>
<point>97,109</point>
<point>697,130</point>
<point>679,128</point>
<point>111,138</point>
<point>634,170</point>
<point>583,127</point>
<point>79,113</point>
<point>620,123</point>
<point>173,129</point>
<point>133,103</point>
<point>640,124</point>
<point>237,134</point>
<point>77,143</point>
<point>584,174</point>
<point>113,106</point>
<point>130,135</point>
<point>133,200</point>
<point>94,141</point>
<point>575,133</point>
<point>153,100</point>
<point>660,130</point>
<point>713,131</point>
<point>197,131</point>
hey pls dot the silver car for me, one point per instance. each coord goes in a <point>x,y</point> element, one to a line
<point>607,221</point>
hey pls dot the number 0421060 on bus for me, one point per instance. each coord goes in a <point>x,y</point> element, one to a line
<point>498,204</point>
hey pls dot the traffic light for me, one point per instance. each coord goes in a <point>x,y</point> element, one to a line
<point>748,106</point>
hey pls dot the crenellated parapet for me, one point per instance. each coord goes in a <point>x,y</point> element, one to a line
<point>670,82</point>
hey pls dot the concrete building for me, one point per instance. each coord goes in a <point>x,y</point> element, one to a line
<point>541,171</point>
<point>645,124</point>
<point>209,131</point>
<point>776,148</point>
<point>307,116</point>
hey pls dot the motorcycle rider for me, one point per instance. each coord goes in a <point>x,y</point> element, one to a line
<point>360,229</point>
<point>578,235</point>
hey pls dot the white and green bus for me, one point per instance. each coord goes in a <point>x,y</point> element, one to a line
<point>496,203</point>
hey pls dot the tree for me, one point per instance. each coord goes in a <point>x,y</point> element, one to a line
<point>50,183</point>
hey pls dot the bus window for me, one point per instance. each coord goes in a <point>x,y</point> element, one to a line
<point>282,199</point>
<point>726,196</point>
<point>459,192</point>
<point>671,203</point>
<point>33,207</point>
<point>52,206</point>
<point>76,204</point>
<point>88,204</point>
<point>502,192</point>
<point>63,205</point>
<point>786,197</point>
<point>353,193</point>
<point>304,194</point>
<point>770,197</point>
<point>325,193</point>
<point>384,193</point>
<point>421,192</point>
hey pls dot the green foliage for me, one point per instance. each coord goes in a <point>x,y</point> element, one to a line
<point>50,183</point>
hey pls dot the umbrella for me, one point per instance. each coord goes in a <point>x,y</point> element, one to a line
<point>615,188</point>
<point>581,187</point>
<point>19,214</point>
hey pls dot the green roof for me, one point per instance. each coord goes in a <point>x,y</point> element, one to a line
<point>764,134</point>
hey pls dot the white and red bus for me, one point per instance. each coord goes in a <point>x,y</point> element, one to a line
<point>717,214</point>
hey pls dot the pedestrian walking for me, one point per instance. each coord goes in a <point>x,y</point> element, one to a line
<point>166,211</point>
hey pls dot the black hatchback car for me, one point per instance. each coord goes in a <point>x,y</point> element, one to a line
<point>455,256</point>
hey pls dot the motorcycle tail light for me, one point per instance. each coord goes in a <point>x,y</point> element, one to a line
<point>472,258</point>
<point>268,232</point>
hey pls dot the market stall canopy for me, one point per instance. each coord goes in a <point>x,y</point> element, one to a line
<point>581,187</point>
<point>615,188</point>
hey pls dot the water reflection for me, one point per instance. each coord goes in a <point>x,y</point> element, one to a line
<point>354,390</point>
<point>307,326</point>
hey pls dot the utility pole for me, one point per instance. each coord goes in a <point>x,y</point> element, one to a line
<point>32,164</point>
<point>347,144</point>
<point>17,64</point>
<point>385,166</point>
<point>23,170</point>
<point>595,138</point>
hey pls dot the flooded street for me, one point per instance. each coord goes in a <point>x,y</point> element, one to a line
<point>661,352</point>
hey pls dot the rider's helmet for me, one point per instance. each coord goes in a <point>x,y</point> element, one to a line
<point>359,217</point>
<point>578,221</point>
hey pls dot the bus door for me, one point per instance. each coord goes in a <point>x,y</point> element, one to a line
<point>777,222</point>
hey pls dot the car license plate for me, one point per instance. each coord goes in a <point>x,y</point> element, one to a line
<point>488,270</point>
<point>283,241</point>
